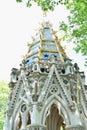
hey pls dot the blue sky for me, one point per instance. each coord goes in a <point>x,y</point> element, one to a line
<point>17,25</point>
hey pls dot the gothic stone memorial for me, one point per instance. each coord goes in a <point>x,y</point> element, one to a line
<point>48,92</point>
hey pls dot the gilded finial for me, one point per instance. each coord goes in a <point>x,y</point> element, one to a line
<point>32,38</point>
<point>44,13</point>
<point>45,16</point>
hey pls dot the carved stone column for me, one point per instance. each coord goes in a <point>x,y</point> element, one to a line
<point>7,123</point>
<point>76,127</point>
<point>34,109</point>
<point>24,114</point>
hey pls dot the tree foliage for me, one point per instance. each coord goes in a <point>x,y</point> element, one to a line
<point>77,26</point>
<point>76,29</point>
<point>44,4</point>
<point>3,102</point>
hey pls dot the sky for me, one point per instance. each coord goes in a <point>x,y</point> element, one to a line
<point>17,25</point>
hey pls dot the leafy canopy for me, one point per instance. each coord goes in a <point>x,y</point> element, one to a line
<point>76,29</point>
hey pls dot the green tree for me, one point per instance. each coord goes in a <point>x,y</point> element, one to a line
<point>3,102</point>
<point>77,26</point>
<point>76,29</point>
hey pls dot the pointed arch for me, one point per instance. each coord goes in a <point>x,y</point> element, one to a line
<point>16,110</point>
<point>14,114</point>
<point>54,99</point>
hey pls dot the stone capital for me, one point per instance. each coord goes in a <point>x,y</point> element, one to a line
<point>23,129</point>
<point>36,126</point>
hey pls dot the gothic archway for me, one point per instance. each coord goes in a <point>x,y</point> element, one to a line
<point>60,108</point>
<point>16,119</point>
<point>54,120</point>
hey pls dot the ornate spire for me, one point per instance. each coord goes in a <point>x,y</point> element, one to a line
<point>45,44</point>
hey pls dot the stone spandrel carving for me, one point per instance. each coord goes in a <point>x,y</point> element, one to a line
<point>30,106</point>
<point>53,89</point>
<point>71,86</point>
<point>35,84</point>
<point>33,88</point>
<point>74,88</point>
<point>39,106</point>
<point>23,108</point>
